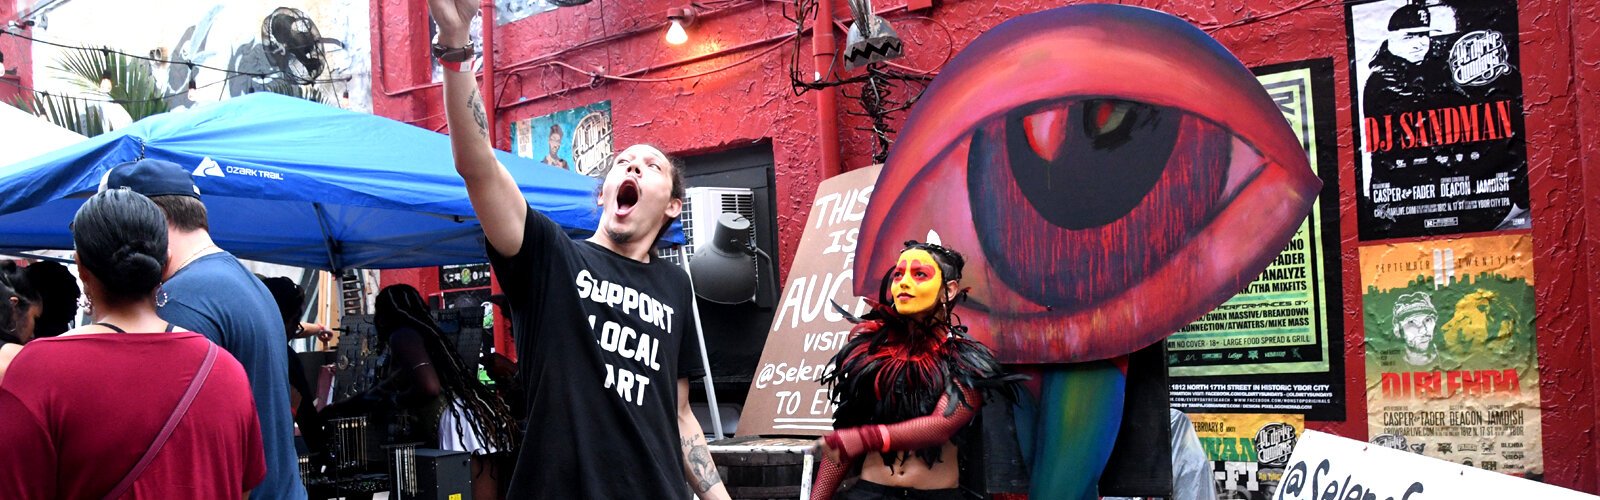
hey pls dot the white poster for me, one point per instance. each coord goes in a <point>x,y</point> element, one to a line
<point>1325,466</point>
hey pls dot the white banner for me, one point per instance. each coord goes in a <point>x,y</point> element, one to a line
<point>1328,466</point>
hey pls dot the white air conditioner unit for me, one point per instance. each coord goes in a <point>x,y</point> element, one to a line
<point>701,207</point>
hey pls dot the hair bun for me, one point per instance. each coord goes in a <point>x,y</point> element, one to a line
<point>133,260</point>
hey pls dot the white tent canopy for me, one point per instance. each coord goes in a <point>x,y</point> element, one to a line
<point>26,136</point>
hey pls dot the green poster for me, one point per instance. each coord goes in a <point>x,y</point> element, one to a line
<point>1279,323</point>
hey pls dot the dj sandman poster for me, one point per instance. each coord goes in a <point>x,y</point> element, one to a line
<point>1439,137</point>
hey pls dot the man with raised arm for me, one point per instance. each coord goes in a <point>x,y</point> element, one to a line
<point>604,334</point>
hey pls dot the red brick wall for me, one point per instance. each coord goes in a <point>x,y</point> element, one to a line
<point>18,55</point>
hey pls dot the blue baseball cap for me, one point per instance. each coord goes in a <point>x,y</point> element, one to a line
<point>151,178</point>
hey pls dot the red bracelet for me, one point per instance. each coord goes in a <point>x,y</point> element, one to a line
<point>459,67</point>
<point>834,441</point>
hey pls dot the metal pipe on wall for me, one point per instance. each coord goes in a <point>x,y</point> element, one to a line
<point>486,15</point>
<point>822,42</point>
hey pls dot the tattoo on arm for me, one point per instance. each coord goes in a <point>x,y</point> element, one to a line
<point>699,469</point>
<point>478,114</point>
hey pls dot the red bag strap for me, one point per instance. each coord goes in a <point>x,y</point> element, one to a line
<point>172,423</point>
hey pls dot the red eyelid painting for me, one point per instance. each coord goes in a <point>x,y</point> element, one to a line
<point>1048,61</point>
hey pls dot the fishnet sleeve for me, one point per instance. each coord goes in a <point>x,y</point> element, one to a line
<point>913,434</point>
<point>828,477</point>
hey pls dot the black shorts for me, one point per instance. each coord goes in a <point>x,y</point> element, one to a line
<point>867,490</point>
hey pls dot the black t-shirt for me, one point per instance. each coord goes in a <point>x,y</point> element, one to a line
<point>601,343</point>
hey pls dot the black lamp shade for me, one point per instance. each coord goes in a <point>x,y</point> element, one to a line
<point>723,269</point>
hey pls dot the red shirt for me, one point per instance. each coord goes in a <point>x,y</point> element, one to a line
<point>77,412</point>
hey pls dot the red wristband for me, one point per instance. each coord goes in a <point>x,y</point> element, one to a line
<point>834,441</point>
<point>459,67</point>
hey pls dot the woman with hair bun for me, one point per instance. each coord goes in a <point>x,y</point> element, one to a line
<point>129,406</point>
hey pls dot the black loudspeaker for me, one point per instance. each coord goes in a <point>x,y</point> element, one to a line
<point>433,475</point>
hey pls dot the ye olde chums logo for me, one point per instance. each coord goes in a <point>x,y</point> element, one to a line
<point>1479,58</point>
<point>1274,444</point>
<point>210,168</point>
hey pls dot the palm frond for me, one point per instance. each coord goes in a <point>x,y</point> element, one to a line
<point>65,112</point>
<point>133,86</point>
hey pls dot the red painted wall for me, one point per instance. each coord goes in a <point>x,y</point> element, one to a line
<point>544,62</point>
<point>18,57</point>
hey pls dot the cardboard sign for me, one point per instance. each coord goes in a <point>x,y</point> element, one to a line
<point>1328,466</point>
<point>785,398</point>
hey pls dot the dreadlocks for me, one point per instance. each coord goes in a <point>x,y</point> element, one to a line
<point>401,306</point>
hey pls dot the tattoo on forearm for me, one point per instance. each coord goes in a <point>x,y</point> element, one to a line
<point>478,114</point>
<point>701,470</point>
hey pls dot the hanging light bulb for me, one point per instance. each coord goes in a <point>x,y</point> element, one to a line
<point>676,35</point>
<point>105,82</point>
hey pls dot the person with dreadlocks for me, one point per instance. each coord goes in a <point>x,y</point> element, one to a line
<point>420,372</point>
<point>906,382</point>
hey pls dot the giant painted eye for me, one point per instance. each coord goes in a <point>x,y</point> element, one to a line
<point>1085,176</point>
<point>1106,189</point>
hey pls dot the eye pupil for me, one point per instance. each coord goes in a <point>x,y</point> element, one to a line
<point>1125,171</point>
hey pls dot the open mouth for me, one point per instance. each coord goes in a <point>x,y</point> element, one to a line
<point>627,196</point>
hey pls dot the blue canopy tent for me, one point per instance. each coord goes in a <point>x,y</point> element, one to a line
<point>294,182</point>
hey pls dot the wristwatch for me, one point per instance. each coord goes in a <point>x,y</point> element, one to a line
<point>457,54</point>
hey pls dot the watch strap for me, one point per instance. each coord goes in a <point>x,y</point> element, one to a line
<point>454,54</point>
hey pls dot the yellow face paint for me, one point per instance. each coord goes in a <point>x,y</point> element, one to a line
<point>915,282</point>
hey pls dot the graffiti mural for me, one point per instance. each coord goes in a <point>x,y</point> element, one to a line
<point>577,139</point>
<point>314,48</point>
<point>507,11</point>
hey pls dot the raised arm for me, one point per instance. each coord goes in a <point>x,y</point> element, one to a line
<point>698,469</point>
<point>921,432</point>
<point>500,206</point>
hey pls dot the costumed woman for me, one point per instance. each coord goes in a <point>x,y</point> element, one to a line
<point>908,381</point>
<point>421,374</point>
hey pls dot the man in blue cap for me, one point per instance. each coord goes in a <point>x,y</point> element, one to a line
<point>208,291</point>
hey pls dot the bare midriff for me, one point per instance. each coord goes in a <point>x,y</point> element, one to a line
<point>913,472</point>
